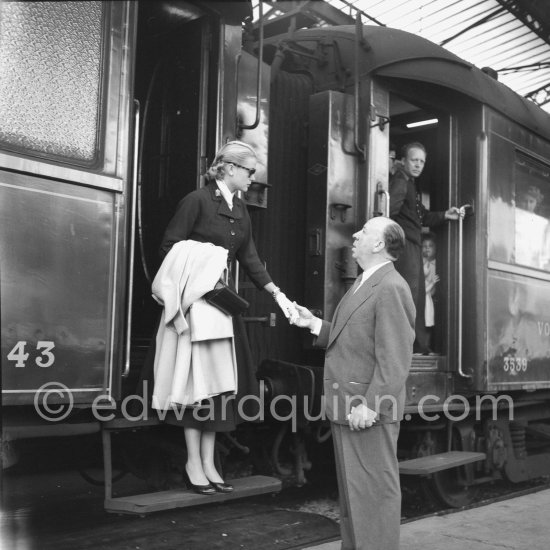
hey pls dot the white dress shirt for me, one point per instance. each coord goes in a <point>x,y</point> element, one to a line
<point>316,329</point>
<point>226,194</point>
<point>366,274</point>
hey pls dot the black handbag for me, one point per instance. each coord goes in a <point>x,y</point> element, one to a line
<point>226,299</point>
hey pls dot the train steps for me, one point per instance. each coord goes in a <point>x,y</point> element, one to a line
<point>426,465</point>
<point>146,503</point>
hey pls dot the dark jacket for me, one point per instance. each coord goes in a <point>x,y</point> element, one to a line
<point>405,210</point>
<point>204,216</point>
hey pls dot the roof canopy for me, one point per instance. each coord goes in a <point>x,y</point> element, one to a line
<point>398,54</point>
<point>510,36</point>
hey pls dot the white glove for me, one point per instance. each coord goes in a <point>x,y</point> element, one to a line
<point>289,309</point>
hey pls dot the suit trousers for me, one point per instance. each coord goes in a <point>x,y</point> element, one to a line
<point>368,485</point>
<point>410,266</point>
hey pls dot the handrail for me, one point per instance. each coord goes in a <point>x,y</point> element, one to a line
<point>139,171</point>
<point>358,32</point>
<point>387,204</point>
<point>259,71</point>
<point>132,238</point>
<point>460,285</point>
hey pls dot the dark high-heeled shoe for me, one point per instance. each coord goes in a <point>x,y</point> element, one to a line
<point>200,489</point>
<point>221,487</point>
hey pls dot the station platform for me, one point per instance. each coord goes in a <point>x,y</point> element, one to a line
<point>522,523</point>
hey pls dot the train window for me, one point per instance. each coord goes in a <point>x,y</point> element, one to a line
<point>50,77</point>
<point>532,213</point>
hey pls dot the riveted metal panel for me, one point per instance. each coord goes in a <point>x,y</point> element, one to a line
<point>57,288</point>
<point>332,199</point>
<point>63,246</point>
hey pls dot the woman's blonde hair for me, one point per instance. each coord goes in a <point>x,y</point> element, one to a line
<point>232,151</point>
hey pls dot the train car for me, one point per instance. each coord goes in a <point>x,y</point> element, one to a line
<point>110,113</point>
<point>486,387</point>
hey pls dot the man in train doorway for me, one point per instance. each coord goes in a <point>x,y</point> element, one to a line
<point>407,210</point>
<point>368,355</point>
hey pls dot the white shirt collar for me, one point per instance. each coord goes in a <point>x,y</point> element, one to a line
<point>226,194</point>
<point>366,274</point>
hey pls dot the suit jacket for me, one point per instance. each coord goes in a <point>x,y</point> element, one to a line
<point>369,348</point>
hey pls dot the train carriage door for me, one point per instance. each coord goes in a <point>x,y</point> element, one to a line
<point>396,118</point>
<point>172,75</point>
<point>65,118</point>
<point>186,68</point>
<point>334,205</point>
<point>448,126</point>
<point>406,111</point>
<point>347,184</point>
<point>378,122</point>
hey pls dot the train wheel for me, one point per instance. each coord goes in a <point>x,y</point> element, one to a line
<point>279,459</point>
<point>449,487</point>
<point>96,476</point>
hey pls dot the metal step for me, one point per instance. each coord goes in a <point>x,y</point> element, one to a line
<point>426,465</point>
<point>434,361</point>
<point>181,498</point>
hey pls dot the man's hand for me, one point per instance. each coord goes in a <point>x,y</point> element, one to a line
<point>361,417</point>
<point>305,319</point>
<point>462,210</point>
<point>453,213</point>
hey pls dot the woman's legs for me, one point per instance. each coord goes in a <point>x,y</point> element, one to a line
<point>200,457</point>
<point>208,442</point>
<point>194,462</point>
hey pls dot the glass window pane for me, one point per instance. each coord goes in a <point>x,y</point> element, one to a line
<point>532,212</point>
<point>501,235</point>
<point>50,77</point>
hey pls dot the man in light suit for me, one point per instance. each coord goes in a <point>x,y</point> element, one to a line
<point>368,356</point>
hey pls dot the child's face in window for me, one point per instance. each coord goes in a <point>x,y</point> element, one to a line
<point>428,249</point>
<point>529,203</point>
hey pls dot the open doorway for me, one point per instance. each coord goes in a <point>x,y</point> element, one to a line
<point>412,123</point>
<point>171,86</point>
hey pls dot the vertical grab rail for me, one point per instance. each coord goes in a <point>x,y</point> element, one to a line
<point>259,71</point>
<point>259,75</point>
<point>460,284</point>
<point>132,239</point>
<point>358,39</point>
<point>381,191</point>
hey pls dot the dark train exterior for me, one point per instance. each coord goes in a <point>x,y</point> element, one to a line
<point>109,115</point>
